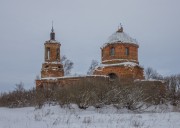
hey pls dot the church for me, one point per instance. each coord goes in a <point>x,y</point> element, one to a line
<point>119,60</point>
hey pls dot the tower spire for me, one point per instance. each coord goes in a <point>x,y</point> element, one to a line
<point>52,30</point>
<point>52,34</point>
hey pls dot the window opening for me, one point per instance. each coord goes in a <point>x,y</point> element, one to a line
<point>112,76</point>
<point>48,53</point>
<point>57,53</point>
<point>127,51</point>
<point>112,51</point>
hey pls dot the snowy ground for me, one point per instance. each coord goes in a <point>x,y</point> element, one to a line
<point>109,117</point>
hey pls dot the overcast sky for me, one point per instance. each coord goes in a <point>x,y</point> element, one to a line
<point>82,26</point>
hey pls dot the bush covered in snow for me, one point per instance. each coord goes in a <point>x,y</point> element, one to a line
<point>119,93</point>
<point>19,97</point>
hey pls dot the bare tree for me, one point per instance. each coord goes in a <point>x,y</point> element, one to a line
<point>150,73</point>
<point>93,65</point>
<point>67,64</point>
<point>178,81</point>
<point>20,87</point>
<point>37,77</point>
<point>173,88</point>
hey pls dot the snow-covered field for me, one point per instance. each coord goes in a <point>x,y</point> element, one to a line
<point>108,117</point>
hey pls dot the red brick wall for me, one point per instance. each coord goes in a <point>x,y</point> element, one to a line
<point>53,51</point>
<point>52,66</point>
<point>120,55</point>
<point>68,81</point>
<point>121,71</point>
<point>52,70</point>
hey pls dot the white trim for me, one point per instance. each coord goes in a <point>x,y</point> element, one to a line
<point>128,64</point>
<point>56,78</point>
<point>52,41</point>
<point>53,62</point>
<point>120,60</point>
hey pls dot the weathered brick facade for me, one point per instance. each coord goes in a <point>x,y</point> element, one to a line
<point>120,57</point>
<point>120,50</point>
<point>66,81</point>
<point>121,71</point>
<point>119,60</point>
<point>52,66</point>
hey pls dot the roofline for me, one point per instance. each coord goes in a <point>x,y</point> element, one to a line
<point>119,42</point>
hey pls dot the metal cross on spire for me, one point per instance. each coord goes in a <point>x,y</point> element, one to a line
<point>52,27</point>
<point>120,28</point>
<point>120,25</point>
<point>52,34</point>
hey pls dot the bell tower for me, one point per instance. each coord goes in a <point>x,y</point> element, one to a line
<point>52,66</point>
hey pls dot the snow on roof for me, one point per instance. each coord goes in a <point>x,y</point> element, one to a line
<point>53,62</point>
<point>49,78</point>
<point>128,64</point>
<point>52,41</point>
<point>63,77</point>
<point>155,80</point>
<point>120,37</point>
<point>119,60</point>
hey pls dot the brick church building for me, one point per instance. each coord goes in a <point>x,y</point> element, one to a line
<point>120,57</point>
<point>119,60</point>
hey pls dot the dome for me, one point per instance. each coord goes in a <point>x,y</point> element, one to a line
<point>120,36</point>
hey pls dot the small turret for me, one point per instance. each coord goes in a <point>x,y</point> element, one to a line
<point>120,29</point>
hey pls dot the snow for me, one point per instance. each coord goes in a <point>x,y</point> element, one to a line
<point>98,76</point>
<point>64,77</point>
<point>53,62</point>
<point>121,37</point>
<point>150,80</point>
<point>119,60</point>
<point>50,78</point>
<point>128,64</point>
<point>52,41</point>
<point>72,117</point>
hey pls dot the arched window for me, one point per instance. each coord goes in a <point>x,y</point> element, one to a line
<point>48,53</point>
<point>57,53</point>
<point>112,76</point>
<point>127,51</point>
<point>46,66</point>
<point>112,51</point>
<point>102,53</point>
